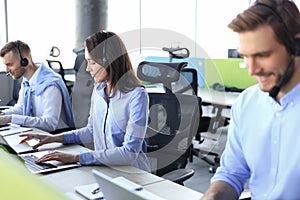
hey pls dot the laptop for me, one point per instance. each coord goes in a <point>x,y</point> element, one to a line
<point>121,188</point>
<point>49,166</point>
<point>13,141</point>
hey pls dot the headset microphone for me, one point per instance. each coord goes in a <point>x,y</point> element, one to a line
<point>283,80</point>
<point>104,56</point>
<point>293,46</point>
<point>88,83</point>
<point>12,72</point>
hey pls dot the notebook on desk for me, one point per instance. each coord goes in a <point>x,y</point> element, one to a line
<point>10,129</point>
<point>45,167</point>
<point>121,188</point>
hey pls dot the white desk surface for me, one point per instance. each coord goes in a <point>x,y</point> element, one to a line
<point>216,97</point>
<point>67,180</point>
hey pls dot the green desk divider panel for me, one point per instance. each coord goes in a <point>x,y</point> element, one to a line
<point>18,183</point>
<point>228,72</point>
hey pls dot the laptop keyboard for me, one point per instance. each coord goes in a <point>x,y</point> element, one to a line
<point>31,164</point>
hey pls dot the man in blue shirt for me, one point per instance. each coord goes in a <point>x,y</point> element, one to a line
<point>44,100</point>
<point>263,135</point>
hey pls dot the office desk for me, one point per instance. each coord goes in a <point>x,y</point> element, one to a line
<point>207,95</point>
<point>220,100</point>
<point>217,97</point>
<point>67,180</point>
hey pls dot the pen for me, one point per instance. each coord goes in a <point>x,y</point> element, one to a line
<point>95,191</point>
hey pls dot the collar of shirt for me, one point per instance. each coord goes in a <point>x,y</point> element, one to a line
<point>291,97</point>
<point>101,87</point>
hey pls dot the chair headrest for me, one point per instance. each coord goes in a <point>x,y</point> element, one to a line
<point>158,72</point>
<point>177,52</point>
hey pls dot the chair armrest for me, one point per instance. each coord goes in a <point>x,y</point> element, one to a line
<point>179,175</point>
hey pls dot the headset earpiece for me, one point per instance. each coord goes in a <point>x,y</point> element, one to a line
<point>23,61</point>
<point>104,56</point>
<point>297,47</point>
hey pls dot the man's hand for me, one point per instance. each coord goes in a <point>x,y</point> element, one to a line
<point>5,119</point>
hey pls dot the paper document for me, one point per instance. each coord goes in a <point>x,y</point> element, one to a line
<point>13,129</point>
<point>90,191</point>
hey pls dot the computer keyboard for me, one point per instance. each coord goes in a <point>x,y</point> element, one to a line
<point>32,165</point>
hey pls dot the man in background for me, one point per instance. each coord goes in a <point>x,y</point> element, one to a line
<point>44,100</point>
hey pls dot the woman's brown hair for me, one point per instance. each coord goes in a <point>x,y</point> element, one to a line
<point>108,50</point>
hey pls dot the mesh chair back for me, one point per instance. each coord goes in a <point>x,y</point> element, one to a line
<point>173,122</point>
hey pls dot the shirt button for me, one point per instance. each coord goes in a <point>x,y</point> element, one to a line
<point>275,141</point>
<point>277,114</point>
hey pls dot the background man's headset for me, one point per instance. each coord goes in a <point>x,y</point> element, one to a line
<point>23,61</point>
<point>293,47</point>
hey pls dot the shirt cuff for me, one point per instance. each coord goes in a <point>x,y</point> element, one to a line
<point>71,138</point>
<point>18,119</point>
<point>87,158</point>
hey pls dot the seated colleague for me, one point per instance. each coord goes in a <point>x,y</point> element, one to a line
<point>43,101</point>
<point>263,135</point>
<point>118,114</point>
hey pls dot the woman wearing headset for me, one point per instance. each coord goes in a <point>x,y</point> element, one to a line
<point>118,114</point>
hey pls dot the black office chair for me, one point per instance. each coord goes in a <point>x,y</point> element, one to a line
<point>82,91</point>
<point>56,65</point>
<point>15,93</point>
<point>173,122</point>
<point>188,84</point>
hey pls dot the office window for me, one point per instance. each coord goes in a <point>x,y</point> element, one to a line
<point>42,24</point>
<point>200,25</point>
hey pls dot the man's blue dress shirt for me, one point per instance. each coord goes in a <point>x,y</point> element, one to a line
<point>263,145</point>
